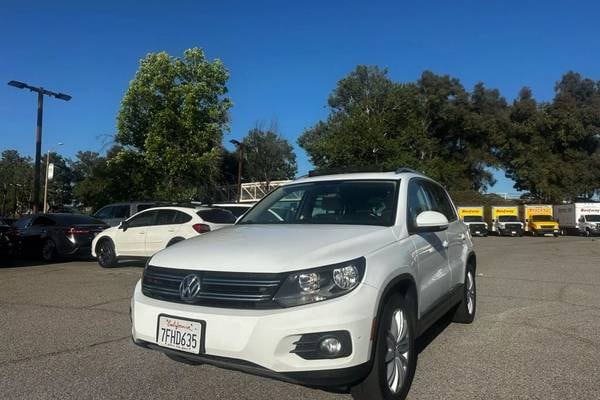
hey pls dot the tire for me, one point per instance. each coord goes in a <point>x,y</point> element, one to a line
<point>587,232</point>
<point>466,309</point>
<point>105,250</point>
<point>174,240</point>
<point>395,356</point>
<point>49,250</point>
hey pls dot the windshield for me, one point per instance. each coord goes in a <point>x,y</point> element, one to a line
<point>507,218</point>
<point>473,218</point>
<point>328,202</point>
<point>592,218</point>
<point>537,218</point>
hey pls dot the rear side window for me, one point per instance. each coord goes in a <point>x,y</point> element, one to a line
<point>121,212</point>
<point>105,212</point>
<point>43,221</point>
<point>142,207</point>
<point>165,217</point>
<point>236,211</point>
<point>181,217</point>
<point>22,222</point>
<point>217,216</point>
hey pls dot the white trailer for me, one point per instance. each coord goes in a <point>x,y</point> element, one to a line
<point>578,218</point>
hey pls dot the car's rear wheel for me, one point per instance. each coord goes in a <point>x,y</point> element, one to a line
<point>395,357</point>
<point>106,254</point>
<point>49,250</point>
<point>465,311</point>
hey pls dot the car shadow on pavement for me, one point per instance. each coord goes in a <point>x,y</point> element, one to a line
<point>20,262</point>
<point>433,332</point>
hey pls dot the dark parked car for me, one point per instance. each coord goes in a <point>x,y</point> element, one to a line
<point>56,235</point>
<point>113,214</point>
<point>6,242</point>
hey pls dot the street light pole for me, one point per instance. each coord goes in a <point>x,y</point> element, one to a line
<point>38,133</point>
<point>240,147</point>
<point>46,184</point>
<point>38,154</point>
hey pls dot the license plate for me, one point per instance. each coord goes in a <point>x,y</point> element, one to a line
<point>180,334</point>
<point>514,233</point>
<point>477,232</point>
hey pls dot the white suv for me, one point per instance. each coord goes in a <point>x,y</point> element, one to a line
<point>153,229</point>
<point>326,282</point>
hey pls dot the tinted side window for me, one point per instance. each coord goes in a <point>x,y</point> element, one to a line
<point>440,201</point>
<point>166,217</point>
<point>182,218</point>
<point>144,219</point>
<point>121,212</point>
<point>22,222</point>
<point>142,207</point>
<point>418,201</point>
<point>104,212</point>
<point>43,221</point>
<point>217,216</point>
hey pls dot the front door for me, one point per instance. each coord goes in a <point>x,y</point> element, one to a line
<point>431,250</point>
<point>131,236</point>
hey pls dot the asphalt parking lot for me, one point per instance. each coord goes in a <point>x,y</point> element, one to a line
<point>65,334</point>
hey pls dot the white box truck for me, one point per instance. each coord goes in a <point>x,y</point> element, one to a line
<point>578,218</point>
<point>504,220</point>
<point>473,218</point>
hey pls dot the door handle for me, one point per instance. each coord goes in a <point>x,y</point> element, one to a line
<point>445,244</point>
<point>141,233</point>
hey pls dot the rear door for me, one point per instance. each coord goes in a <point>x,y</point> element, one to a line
<point>162,231</point>
<point>130,240</point>
<point>431,249</point>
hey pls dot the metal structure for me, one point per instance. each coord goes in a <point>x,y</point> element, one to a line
<point>254,191</point>
<point>38,133</point>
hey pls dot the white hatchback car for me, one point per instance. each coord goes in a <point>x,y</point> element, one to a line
<point>151,230</point>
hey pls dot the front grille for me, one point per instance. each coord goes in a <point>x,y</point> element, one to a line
<point>513,226</point>
<point>218,289</point>
<point>477,227</point>
<point>547,226</point>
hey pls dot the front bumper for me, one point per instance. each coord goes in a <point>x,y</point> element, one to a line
<point>260,341</point>
<point>478,230</point>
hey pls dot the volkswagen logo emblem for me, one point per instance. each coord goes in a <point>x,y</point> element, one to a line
<point>190,287</point>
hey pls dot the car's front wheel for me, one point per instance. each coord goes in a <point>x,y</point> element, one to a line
<point>465,311</point>
<point>395,357</point>
<point>106,254</point>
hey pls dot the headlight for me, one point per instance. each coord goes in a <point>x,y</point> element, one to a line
<point>318,284</point>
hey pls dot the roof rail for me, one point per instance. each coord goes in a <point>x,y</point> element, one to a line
<point>346,170</point>
<point>406,169</point>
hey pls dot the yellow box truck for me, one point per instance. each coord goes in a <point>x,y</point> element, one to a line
<point>504,220</point>
<point>539,220</point>
<point>473,218</point>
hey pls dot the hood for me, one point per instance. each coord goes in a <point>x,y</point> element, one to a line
<point>540,223</point>
<point>273,248</point>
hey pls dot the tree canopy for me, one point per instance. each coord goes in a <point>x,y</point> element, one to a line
<point>457,136</point>
<point>171,124</point>
<point>268,156</point>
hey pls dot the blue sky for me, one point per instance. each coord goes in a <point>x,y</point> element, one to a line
<point>284,57</point>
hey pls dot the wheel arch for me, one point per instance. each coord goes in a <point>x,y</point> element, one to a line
<point>104,239</point>
<point>174,240</point>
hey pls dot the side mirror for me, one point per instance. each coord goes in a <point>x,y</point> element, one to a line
<point>431,221</point>
<point>123,225</point>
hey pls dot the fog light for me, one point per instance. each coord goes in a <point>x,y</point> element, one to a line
<point>330,346</point>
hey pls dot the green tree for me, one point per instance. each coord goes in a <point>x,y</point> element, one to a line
<point>268,156</point>
<point>552,150</point>
<point>16,182</point>
<point>433,125</point>
<point>171,124</point>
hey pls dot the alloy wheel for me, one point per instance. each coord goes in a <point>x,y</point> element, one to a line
<point>470,293</point>
<point>396,357</point>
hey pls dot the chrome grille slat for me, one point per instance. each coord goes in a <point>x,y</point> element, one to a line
<point>219,289</point>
